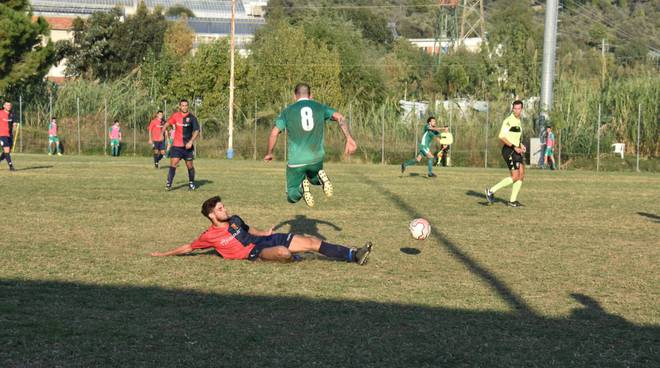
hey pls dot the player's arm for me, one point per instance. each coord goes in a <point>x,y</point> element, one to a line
<point>506,142</point>
<point>184,249</point>
<point>149,134</point>
<point>272,141</point>
<point>351,146</point>
<point>258,232</point>
<point>194,135</point>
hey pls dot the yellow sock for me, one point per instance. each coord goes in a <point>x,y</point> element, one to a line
<point>516,188</point>
<point>505,182</point>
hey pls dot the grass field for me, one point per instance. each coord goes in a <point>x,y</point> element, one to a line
<point>571,279</point>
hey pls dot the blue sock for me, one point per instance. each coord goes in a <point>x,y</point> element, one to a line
<point>8,158</point>
<point>170,175</point>
<point>336,251</point>
<point>191,175</point>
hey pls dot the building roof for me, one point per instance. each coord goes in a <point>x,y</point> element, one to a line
<point>221,26</point>
<point>201,8</point>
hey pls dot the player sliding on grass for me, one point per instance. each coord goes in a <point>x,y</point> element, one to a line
<point>430,132</point>
<point>512,151</point>
<point>305,122</point>
<point>234,239</point>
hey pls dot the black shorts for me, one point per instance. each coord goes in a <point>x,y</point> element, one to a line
<point>158,145</point>
<point>270,241</point>
<point>512,158</point>
<point>182,153</point>
<point>6,142</point>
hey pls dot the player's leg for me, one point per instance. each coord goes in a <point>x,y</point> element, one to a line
<point>57,147</point>
<point>302,243</point>
<point>318,176</point>
<point>174,161</point>
<point>276,254</point>
<point>518,175</point>
<point>429,162</point>
<point>50,146</point>
<point>7,155</point>
<point>191,173</point>
<point>507,155</point>
<point>297,186</point>
<point>411,162</point>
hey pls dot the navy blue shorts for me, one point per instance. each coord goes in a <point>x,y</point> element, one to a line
<point>270,241</point>
<point>512,158</point>
<point>158,145</point>
<point>182,153</point>
<point>6,142</point>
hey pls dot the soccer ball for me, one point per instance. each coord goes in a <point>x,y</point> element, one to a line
<point>419,228</point>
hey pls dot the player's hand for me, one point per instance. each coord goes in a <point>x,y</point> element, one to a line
<point>523,149</point>
<point>189,145</point>
<point>268,157</point>
<point>270,231</point>
<point>150,142</point>
<point>157,254</point>
<point>350,147</point>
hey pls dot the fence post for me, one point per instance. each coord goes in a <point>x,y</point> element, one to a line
<point>598,140</point>
<point>78,116</point>
<point>105,126</point>
<point>450,150</point>
<point>134,127</point>
<point>254,138</point>
<point>558,149</point>
<point>486,143</point>
<point>20,122</point>
<point>639,132</point>
<point>382,138</point>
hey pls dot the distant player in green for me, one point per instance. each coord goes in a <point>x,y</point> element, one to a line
<point>548,155</point>
<point>430,132</point>
<point>53,138</point>
<point>512,152</point>
<point>305,123</point>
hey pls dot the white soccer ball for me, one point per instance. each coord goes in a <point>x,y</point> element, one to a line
<point>420,228</point>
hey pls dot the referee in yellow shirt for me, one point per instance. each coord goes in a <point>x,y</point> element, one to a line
<point>512,152</point>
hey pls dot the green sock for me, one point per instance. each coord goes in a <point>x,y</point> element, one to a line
<point>430,165</point>
<point>516,188</point>
<point>410,162</point>
<point>505,182</point>
<point>50,149</point>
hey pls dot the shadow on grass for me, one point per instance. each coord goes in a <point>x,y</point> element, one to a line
<point>481,195</point>
<point>509,297</point>
<point>410,251</point>
<point>654,218</point>
<point>66,324</point>
<point>301,224</point>
<point>34,167</point>
<point>198,184</point>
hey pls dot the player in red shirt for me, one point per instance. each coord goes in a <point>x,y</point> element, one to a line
<point>232,238</point>
<point>185,134</point>
<point>157,132</point>
<point>7,124</point>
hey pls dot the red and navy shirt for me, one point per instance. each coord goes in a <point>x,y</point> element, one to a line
<point>185,124</point>
<point>6,123</point>
<point>156,129</point>
<point>232,241</point>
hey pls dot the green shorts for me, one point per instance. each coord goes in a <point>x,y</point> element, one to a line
<point>53,139</point>
<point>295,177</point>
<point>424,150</point>
<point>114,142</point>
<point>549,151</point>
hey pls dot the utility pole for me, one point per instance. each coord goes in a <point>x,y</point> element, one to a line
<point>603,69</point>
<point>549,49</point>
<point>230,143</point>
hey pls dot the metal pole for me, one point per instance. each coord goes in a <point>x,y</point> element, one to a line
<point>134,127</point>
<point>450,150</point>
<point>549,47</point>
<point>20,121</point>
<point>598,141</point>
<point>78,114</point>
<point>559,151</point>
<point>486,143</point>
<point>382,138</point>
<point>639,131</point>
<point>254,139</point>
<point>230,149</point>
<point>105,126</point>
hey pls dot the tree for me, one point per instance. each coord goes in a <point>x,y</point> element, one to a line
<point>23,57</point>
<point>179,38</point>
<point>179,11</point>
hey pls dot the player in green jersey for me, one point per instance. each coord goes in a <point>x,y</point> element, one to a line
<point>430,132</point>
<point>304,122</point>
<point>512,152</point>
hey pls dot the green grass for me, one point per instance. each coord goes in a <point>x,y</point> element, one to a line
<point>571,279</point>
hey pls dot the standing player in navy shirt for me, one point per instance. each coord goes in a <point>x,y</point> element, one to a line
<point>185,134</point>
<point>7,125</point>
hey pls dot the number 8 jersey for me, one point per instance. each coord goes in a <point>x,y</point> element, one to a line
<point>304,122</point>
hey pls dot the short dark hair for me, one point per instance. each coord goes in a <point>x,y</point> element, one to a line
<point>429,119</point>
<point>159,112</point>
<point>116,121</point>
<point>517,102</point>
<point>302,89</point>
<point>209,205</point>
<point>183,100</point>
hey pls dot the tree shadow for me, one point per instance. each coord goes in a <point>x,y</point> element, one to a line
<point>35,167</point>
<point>301,224</point>
<point>410,251</point>
<point>481,195</point>
<point>198,184</point>
<point>652,217</point>
<point>50,324</point>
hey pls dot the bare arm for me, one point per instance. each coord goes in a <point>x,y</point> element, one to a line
<point>184,249</point>
<point>192,139</point>
<point>351,146</point>
<point>272,141</point>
